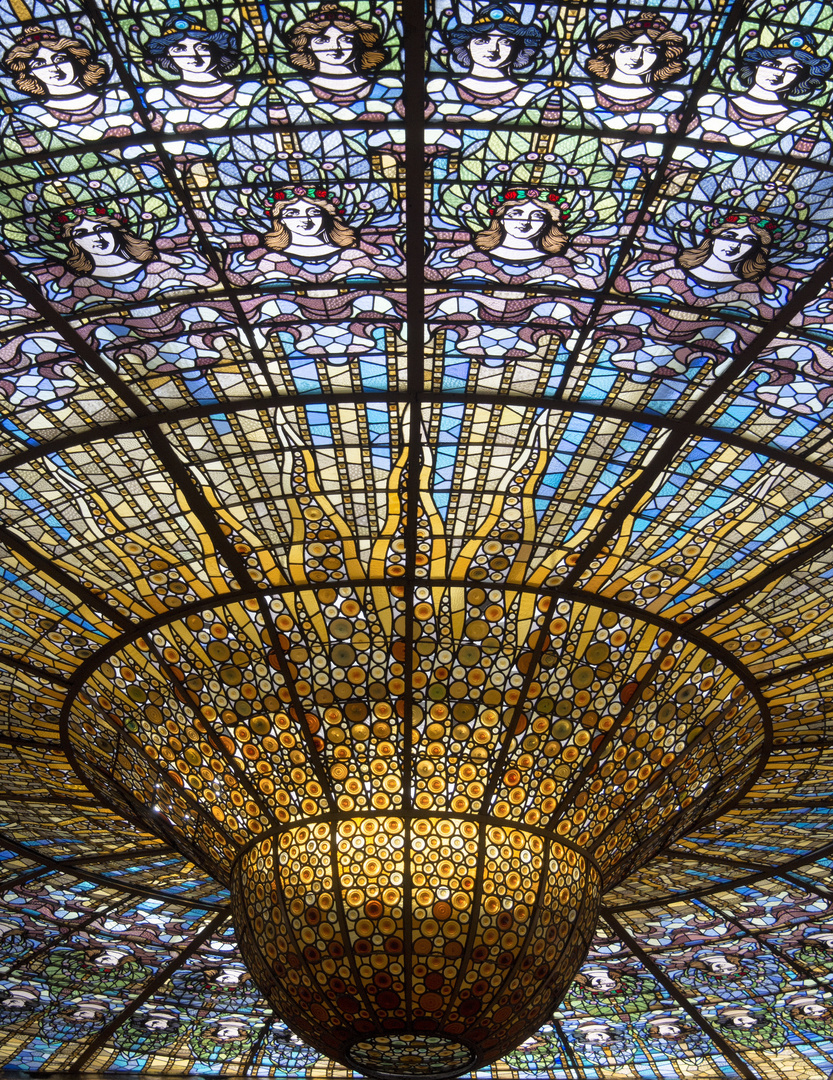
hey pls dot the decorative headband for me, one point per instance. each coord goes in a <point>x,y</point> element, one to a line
<point>37,35</point>
<point>771,226</point>
<point>558,200</point>
<point>796,43</point>
<point>299,192</point>
<point>646,22</point>
<point>79,213</point>
<point>332,13</point>
<point>496,15</point>
<point>185,24</point>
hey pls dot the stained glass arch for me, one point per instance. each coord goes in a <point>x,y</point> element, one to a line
<point>415,534</point>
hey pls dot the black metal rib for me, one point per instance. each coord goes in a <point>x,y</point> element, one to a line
<point>808,885</point>
<point>70,864</point>
<point>673,991</point>
<point>607,738</point>
<point>654,186</point>
<point>22,743</point>
<point>251,1057</point>
<point>783,568</point>
<point>810,803</point>
<point>72,928</point>
<point>414,25</point>
<point>807,668</point>
<point>651,472</point>
<point>24,879</point>
<point>48,799</point>
<point>70,335</point>
<point>174,181</point>
<point>718,860</point>
<point>50,569</point>
<point>766,872</point>
<point>15,662</point>
<point>158,980</point>
<point>174,417</point>
<point>761,937</point>
<point>115,884</point>
<point>568,1050</point>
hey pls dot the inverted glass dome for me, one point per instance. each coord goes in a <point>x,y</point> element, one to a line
<point>415,537</point>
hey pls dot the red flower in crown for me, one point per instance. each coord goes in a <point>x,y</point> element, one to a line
<point>79,212</point>
<point>300,192</point>
<point>514,194</point>
<point>37,33</point>
<point>767,224</point>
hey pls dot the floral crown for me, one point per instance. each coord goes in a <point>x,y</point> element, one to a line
<point>299,192</point>
<point>79,213</point>
<point>178,25</point>
<point>496,15</point>
<point>769,224</point>
<point>556,199</point>
<point>647,22</point>
<point>328,12</point>
<point>37,33</point>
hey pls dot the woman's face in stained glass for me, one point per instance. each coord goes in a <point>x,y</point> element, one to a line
<point>598,1037</point>
<point>636,57</point>
<point>191,55</point>
<point>229,1029</point>
<point>777,74</point>
<point>54,69</point>
<point>229,977</point>
<point>86,1011</point>
<point>667,1029</point>
<point>110,957</point>
<point>157,1023</point>
<point>602,981</point>
<point>492,50</point>
<point>95,237</point>
<point>729,247</point>
<point>524,222</point>
<point>18,998</point>
<point>333,46</point>
<point>303,219</point>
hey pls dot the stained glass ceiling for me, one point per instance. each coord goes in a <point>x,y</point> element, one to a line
<point>415,539</point>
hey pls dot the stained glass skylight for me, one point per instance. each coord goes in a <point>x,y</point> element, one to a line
<point>415,539</point>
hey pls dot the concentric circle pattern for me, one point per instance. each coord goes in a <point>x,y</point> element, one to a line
<point>424,927</point>
<point>400,1055</point>
<point>467,910</point>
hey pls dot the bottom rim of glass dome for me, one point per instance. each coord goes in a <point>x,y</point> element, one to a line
<point>405,1054</point>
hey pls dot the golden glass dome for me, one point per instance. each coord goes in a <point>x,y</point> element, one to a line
<point>418,794</point>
